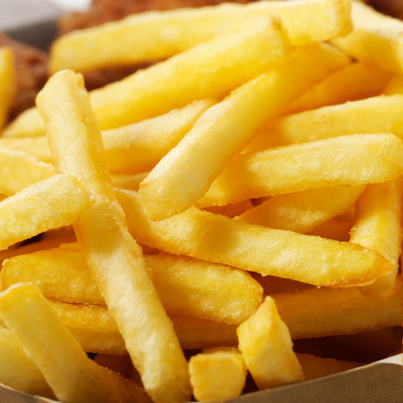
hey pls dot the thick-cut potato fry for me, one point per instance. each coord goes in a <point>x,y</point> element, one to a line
<point>8,85</point>
<point>270,252</point>
<point>325,312</point>
<point>96,331</point>
<point>303,211</point>
<point>41,207</point>
<point>133,148</point>
<point>217,374</point>
<point>373,115</point>
<point>72,376</point>
<point>185,286</point>
<point>395,85</point>
<point>315,367</point>
<point>209,70</point>
<point>76,145</point>
<point>231,210</point>
<point>333,229</point>
<point>18,170</point>
<point>348,160</point>
<point>353,82</point>
<point>17,370</point>
<point>378,226</point>
<point>376,38</point>
<point>185,174</point>
<point>266,347</point>
<point>156,36</point>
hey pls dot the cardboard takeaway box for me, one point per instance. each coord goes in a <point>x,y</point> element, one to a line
<point>33,22</point>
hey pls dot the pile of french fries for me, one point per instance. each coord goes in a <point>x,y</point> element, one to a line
<point>243,192</point>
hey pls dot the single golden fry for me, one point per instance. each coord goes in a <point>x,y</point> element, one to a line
<point>333,121</point>
<point>279,253</point>
<point>209,70</point>
<point>185,174</point>
<point>48,203</point>
<point>157,36</point>
<point>325,312</point>
<point>351,83</point>
<point>185,286</point>
<point>19,170</point>
<point>347,160</point>
<point>315,367</point>
<point>266,348</point>
<point>17,370</point>
<point>8,85</point>
<point>378,226</point>
<point>76,145</point>
<point>303,211</point>
<point>376,38</point>
<point>217,375</point>
<point>72,376</point>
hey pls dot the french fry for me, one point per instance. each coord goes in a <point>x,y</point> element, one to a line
<point>395,85</point>
<point>144,37</point>
<point>235,58</point>
<point>47,200</point>
<point>270,252</point>
<point>351,83</point>
<point>332,121</point>
<point>231,210</point>
<point>274,285</point>
<point>315,367</point>
<point>303,211</point>
<point>8,85</point>
<point>76,145</point>
<point>129,181</point>
<point>378,226</point>
<point>324,312</point>
<point>72,376</point>
<point>18,170</point>
<point>266,348</point>
<point>17,370</point>
<point>347,160</point>
<point>185,286</point>
<point>375,39</point>
<point>185,174</point>
<point>217,375</point>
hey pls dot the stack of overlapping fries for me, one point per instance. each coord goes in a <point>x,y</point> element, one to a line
<point>242,192</point>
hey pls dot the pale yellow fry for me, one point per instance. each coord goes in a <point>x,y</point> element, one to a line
<point>378,226</point>
<point>76,145</point>
<point>185,174</point>
<point>8,84</point>
<point>41,207</point>
<point>303,211</point>
<point>72,376</point>
<point>373,115</point>
<point>333,229</point>
<point>96,331</point>
<point>156,36</point>
<point>185,286</point>
<point>279,253</point>
<point>217,375</point>
<point>376,38</point>
<point>19,170</point>
<point>133,148</point>
<point>17,370</point>
<point>266,348</point>
<point>395,85</point>
<point>347,160</point>
<point>209,70</point>
<point>353,82</point>
<point>325,312</point>
<point>129,181</point>
<point>315,367</point>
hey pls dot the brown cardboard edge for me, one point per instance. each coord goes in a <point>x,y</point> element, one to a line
<point>374,383</point>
